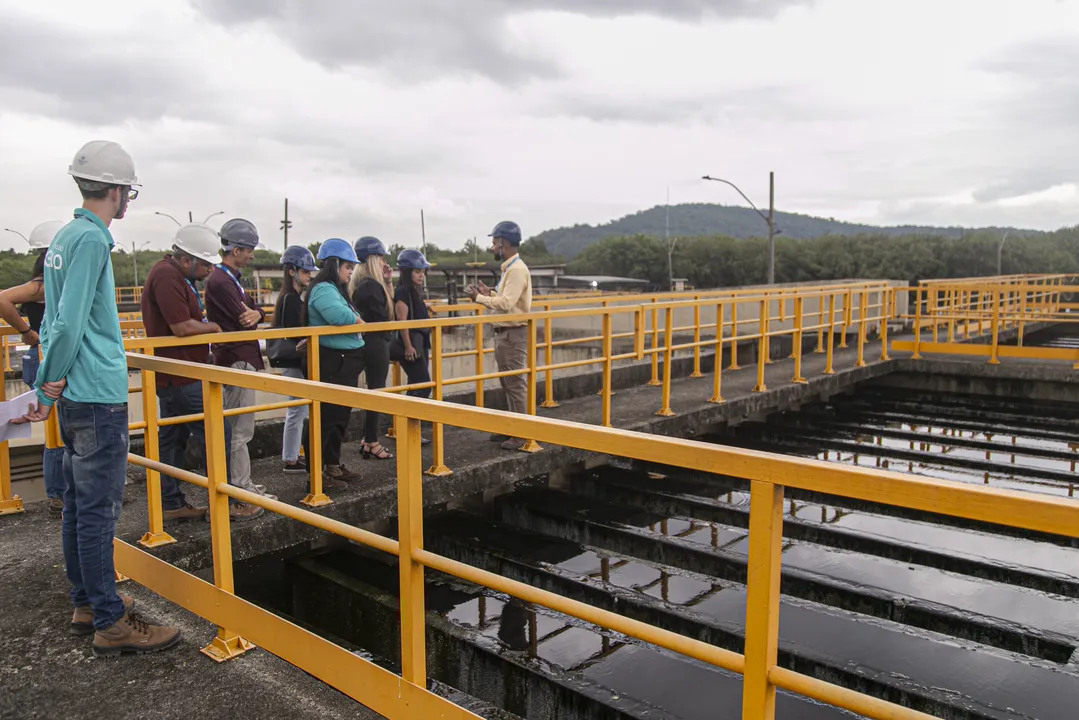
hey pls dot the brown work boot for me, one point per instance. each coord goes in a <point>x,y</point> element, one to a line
<point>56,507</point>
<point>132,634</point>
<point>186,513</point>
<point>82,621</point>
<point>339,472</point>
<point>330,481</point>
<point>244,511</point>
<point>513,444</point>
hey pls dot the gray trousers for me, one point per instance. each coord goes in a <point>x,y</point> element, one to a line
<point>511,353</point>
<point>243,429</point>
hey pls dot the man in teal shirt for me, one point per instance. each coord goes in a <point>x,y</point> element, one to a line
<point>84,374</point>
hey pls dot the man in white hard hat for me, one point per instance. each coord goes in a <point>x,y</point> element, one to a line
<point>172,307</point>
<point>84,373</point>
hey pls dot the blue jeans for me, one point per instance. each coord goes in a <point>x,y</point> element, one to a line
<point>177,401</point>
<point>52,465</point>
<point>94,468</point>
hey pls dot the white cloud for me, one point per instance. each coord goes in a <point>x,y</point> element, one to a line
<point>548,113</point>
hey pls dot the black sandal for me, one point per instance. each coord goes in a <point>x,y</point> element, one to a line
<point>369,452</point>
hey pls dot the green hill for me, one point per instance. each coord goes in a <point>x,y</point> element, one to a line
<point>709,220</point>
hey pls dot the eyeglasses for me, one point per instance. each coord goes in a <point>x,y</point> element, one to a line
<point>132,193</point>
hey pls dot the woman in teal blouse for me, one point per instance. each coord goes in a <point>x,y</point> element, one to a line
<point>341,357</point>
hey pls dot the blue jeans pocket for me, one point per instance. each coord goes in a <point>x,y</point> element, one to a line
<point>29,367</point>
<point>78,427</point>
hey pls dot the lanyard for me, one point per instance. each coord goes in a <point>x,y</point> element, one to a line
<point>198,299</point>
<point>498,287</point>
<point>228,272</point>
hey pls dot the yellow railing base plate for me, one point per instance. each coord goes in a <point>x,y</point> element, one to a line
<point>654,383</point>
<point>860,364</point>
<point>716,400</point>
<point>760,388</point>
<point>120,577</point>
<point>152,540</point>
<point>438,471</point>
<point>320,500</point>
<point>666,413</point>
<point>12,506</point>
<point>696,375</point>
<point>548,404</point>
<point>531,446</point>
<point>800,381</point>
<point>734,367</point>
<point>222,650</point>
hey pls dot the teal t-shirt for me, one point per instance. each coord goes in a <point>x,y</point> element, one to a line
<point>80,336</point>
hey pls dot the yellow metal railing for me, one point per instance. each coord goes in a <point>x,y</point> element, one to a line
<point>782,312</point>
<point>405,696</point>
<point>953,314</point>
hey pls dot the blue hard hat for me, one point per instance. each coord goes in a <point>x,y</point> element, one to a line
<point>239,233</point>
<point>337,248</point>
<point>508,231</point>
<point>368,246</point>
<point>410,259</point>
<point>299,258</point>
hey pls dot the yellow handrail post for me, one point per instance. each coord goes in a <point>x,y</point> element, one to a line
<point>530,445</point>
<point>9,504</point>
<point>638,332</point>
<point>315,496</point>
<point>668,356</point>
<point>226,645</point>
<point>762,599</point>
<point>848,302</point>
<point>155,534</point>
<point>655,346</point>
<point>762,346</point>
<point>608,352</point>
<point>917,354</point>
<point>734,336</point>
<point>410,539</point>
<point>931,311</point>
<point>889,296</point>
<point>717,370</point>
<point>479,361</point>
<point>993,359</point>
<point>862,310</point>
<point>952,304</point>
<point>1022,314</point>
<point>820,324</point>
<point>966,302</point>
<point>548,359</point>
<point>438,447</point>
<point>696,338</point>
<point>796,341</point>
<point>828,369</point>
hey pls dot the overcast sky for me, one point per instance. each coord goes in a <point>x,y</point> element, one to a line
<point>548,112</point>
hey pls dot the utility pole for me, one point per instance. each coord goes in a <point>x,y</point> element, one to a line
<point>423,236</point>
<point>190,219</point>
<point>286,224</point>
<point>771,228</point>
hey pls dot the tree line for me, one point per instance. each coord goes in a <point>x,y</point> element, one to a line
<point>709,262</point>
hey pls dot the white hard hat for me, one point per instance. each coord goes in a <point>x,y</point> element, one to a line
<point>198,240</point>
<point>105,162</point>
<point>42,235</point>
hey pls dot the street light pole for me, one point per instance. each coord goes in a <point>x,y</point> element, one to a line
<point>170,217</point>
<point>135,259</point>
<point>19,234</point>
<point>770,218</point>
<point>219,212</point>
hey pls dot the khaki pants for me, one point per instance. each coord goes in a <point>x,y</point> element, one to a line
<point>511,353</point>
<point>243,429</point>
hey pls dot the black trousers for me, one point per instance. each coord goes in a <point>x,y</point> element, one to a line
<point>337,367</point>
<point>377,348</point>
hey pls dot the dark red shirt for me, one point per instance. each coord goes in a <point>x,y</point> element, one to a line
<point>168,299</point>
<point>225,302</point>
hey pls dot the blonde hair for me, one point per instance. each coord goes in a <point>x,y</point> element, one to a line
<point>372,268</point>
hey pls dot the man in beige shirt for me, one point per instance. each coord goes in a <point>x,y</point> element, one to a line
<point>511,296</point>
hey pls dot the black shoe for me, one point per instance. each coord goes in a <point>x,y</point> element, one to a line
<point>296,468</point>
